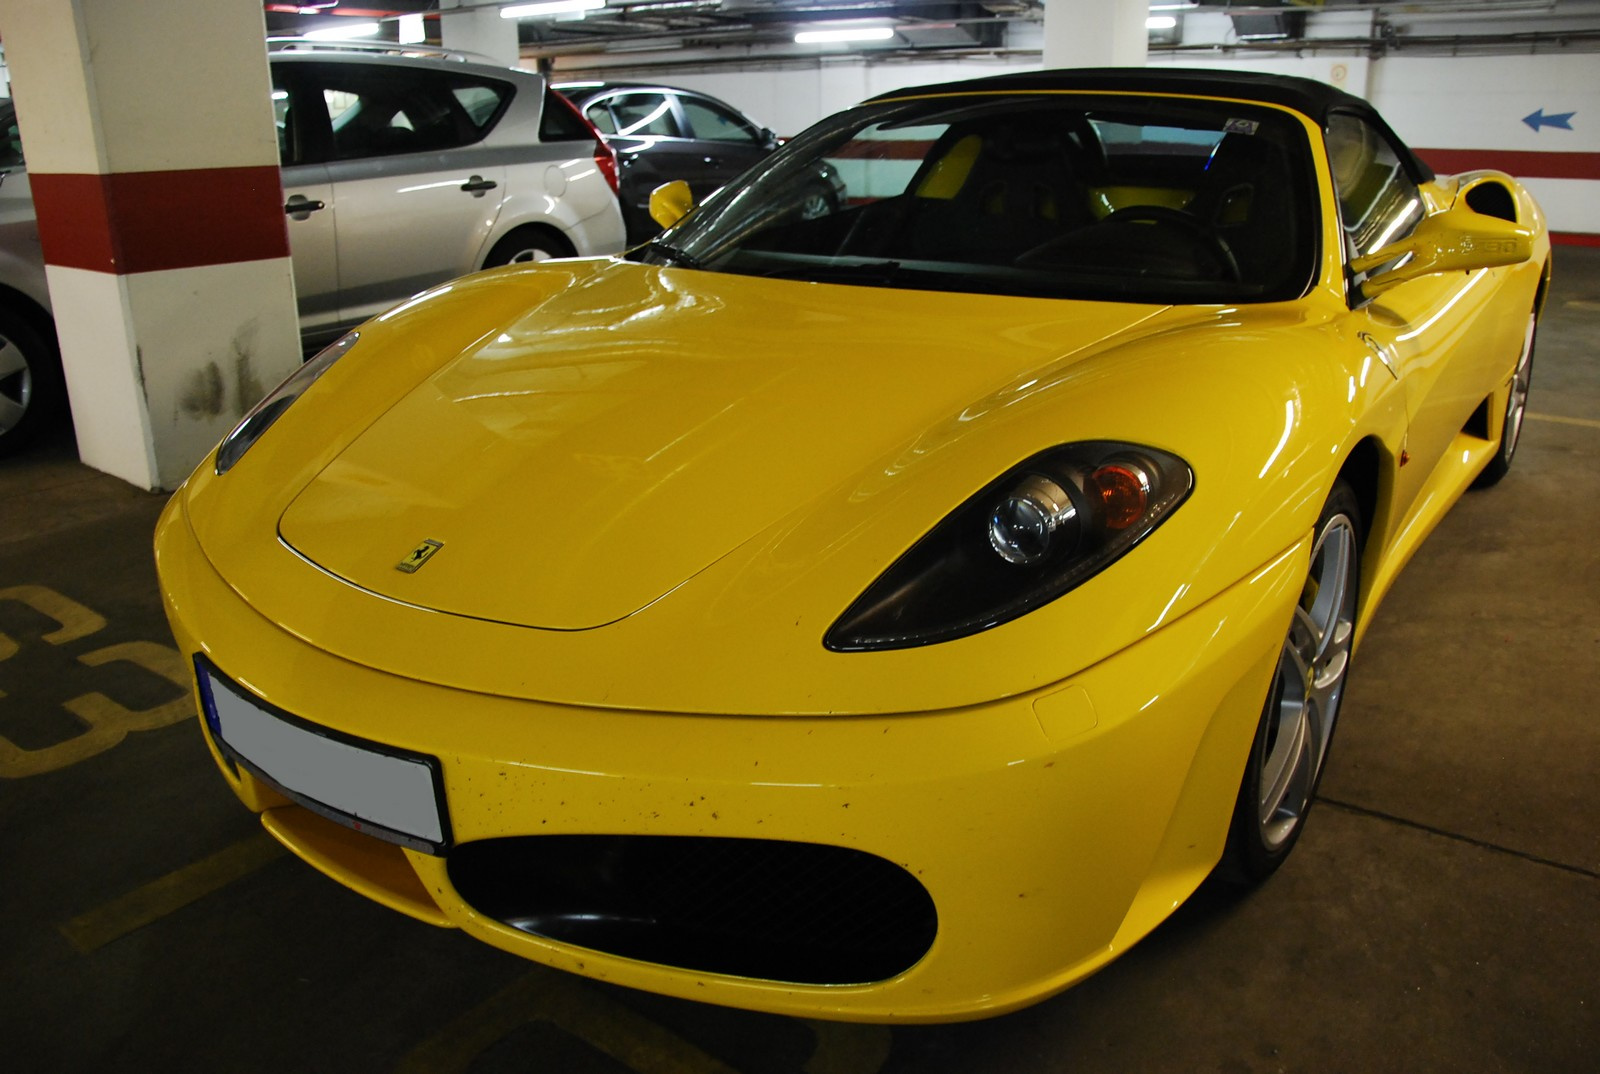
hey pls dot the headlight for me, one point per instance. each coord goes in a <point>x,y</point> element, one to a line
<point>1036,532</point>
<point>261,417</point>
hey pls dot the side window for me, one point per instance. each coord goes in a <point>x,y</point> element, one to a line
<point>644,114</point>
<point>600,116</point>
<point>1378,202</point>
<point>481,101</point>
<point>376,111</point>
<point>560,122</point>
<point>718,124</point>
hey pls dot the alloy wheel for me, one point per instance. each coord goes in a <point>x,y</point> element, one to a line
<point>1308,685</point>
<point>16,384</point>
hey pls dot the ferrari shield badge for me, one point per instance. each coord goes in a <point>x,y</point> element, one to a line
<point>419,555</point>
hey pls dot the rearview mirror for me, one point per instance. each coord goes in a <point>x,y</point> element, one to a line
<point>1454,240</point>
<point>670,202</point>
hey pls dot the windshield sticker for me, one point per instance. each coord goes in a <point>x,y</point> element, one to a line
<point>1241,126</point>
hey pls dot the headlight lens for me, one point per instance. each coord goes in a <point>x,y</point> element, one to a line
<point>261,417</point>
<point>1039,530</point>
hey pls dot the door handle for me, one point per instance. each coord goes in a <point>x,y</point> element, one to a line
<point>477,186</point>
<point>301,207</point>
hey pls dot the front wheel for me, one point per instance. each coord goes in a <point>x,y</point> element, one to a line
<point>1291,740</point>
<point>1516,409</point>
<point>32,392</point>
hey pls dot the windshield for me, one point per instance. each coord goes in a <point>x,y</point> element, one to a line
<point>1147,199</point>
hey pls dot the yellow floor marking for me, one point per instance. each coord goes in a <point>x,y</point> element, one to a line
<point>75,620</point>
<point>1582,304</point>
<point>1587,423</point>
<point>578,1009</point>
<point>170,893</point>
<point>845,1048</point>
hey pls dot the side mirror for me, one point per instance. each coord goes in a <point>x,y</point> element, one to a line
<point>770,139</point>
<point>1453,240</point>
<point>670,202</point>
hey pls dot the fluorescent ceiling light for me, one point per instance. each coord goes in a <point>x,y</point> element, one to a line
<point>862,33</point>
<point>1160,22</point>
<point>412,30</point>
<point>343,33</point>
<point>549,7</point>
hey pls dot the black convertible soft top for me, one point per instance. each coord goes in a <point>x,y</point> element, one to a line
<point>1314,99</point>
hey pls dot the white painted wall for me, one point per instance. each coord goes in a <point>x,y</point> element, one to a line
<point>1433,102</point>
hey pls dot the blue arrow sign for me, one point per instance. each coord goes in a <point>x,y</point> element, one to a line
<point>1560,121</point>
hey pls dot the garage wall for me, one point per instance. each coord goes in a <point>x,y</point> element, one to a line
<point>1461,112</point>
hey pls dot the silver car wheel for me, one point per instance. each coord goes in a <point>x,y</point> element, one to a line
<point>1309,684</point>
<point>530,254</point>
<point>1517,397</point>
<point>16,384</point>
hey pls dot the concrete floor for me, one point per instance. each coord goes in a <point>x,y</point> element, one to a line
<point>1442,911</point>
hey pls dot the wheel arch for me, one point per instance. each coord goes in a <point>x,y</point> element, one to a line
<point>1362,471</point>
<point>25,306</point>
<point>526,228</point>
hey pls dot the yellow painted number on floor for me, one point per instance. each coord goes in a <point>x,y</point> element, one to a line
<point>107,722</point>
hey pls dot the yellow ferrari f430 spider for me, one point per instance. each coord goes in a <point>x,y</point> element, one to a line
<point>886,613</point>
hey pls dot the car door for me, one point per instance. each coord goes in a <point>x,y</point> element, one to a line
<point>308,203</point>
<point>416,198</point>
<point>726,142</point>
<point>1439,334</point>
<point>642,127</point>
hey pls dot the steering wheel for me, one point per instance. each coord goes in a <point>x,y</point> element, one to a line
<point>1189,224</point>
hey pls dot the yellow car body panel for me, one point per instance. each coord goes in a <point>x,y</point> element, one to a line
<point>931,790</point>
<point>649,491</point>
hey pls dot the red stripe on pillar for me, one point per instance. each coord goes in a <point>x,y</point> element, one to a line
<point>1522,164</point>
<point>1574,238</point>
<point>149,221</point>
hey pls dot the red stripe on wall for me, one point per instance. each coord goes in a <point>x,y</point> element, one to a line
<point>150,221</point>
<point>1523,165</point>
<point>1574,238</point>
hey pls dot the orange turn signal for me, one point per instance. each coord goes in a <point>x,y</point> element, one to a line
<point>1124,492</point>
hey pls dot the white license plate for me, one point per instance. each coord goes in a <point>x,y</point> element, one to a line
<point>391,794</point>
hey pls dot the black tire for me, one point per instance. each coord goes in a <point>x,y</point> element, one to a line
<point>529,244</point>
<point>1516,408</point>
<point>1290,746</point>
<point>33,393</point>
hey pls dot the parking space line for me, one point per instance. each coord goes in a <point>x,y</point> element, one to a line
<point>1587,423</point>
<point>91,931</point>
<point>580,1010</point>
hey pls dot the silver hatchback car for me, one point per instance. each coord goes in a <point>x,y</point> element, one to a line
<point>399,172</point>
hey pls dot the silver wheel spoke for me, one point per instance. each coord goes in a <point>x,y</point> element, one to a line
<point>12,360</point>
<point>1517,403</point>
<point>11,412</point>
<point>1287,752</point>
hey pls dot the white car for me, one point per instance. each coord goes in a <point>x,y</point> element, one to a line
<point>399,172</point>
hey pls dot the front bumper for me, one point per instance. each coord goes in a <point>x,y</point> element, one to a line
<point>1051,830</point>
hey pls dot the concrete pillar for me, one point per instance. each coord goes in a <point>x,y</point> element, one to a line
<point>1096,33</point>
<point>153,159</point>
<point>479,30</point>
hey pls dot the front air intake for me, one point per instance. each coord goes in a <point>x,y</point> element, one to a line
<point>800,913</point>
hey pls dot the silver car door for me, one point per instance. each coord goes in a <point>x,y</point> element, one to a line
<point>416,199</point>
<point>307,204</point>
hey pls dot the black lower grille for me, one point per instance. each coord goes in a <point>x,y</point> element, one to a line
<point>796,912</point>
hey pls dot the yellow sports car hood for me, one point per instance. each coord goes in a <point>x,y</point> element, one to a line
<point>620,436</point>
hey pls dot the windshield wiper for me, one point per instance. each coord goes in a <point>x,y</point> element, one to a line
<point>865,271</point>
<point>672,255</point>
